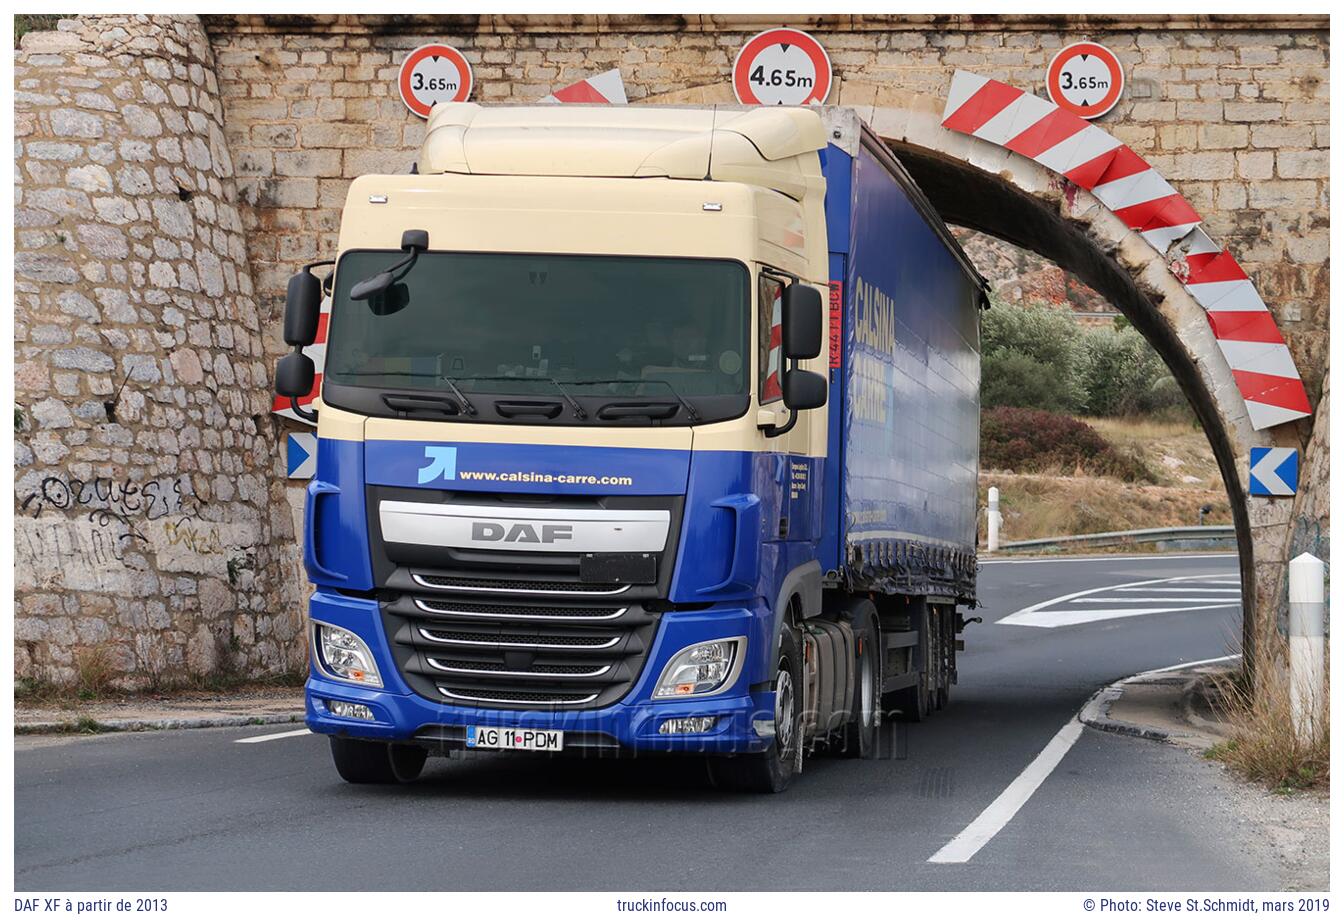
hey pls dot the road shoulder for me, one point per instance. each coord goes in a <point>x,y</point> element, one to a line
<point>1169,707</point>
<point>185,710</point>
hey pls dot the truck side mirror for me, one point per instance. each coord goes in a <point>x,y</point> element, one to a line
<point>804,390</point>
<point>294,375</point>
<point>303,302</point>
<point>801,321</point>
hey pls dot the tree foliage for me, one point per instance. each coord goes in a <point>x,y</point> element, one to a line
<point>1035,357</point>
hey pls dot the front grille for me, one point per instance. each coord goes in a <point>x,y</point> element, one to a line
<point>490,667</point>
<point>514,585</point>
<point>459,608</point>
<point>519,640</point>
<point>514,654</point>
<point>519,629</point>
<point>519,697</point>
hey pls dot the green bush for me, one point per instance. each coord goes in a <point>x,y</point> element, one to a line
<point>1033,357</point>
<point>1036,357</point>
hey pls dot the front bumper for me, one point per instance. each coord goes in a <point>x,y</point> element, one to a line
<point>630,725</point>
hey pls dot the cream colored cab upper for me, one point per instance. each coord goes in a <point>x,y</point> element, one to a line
<point>734,183</point>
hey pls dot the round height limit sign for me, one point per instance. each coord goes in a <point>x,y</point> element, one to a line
<point>432,74</point>
<point>782,67</point>
<point>1086,79</point>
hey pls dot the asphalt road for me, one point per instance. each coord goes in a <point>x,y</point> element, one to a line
<point>189,810</point>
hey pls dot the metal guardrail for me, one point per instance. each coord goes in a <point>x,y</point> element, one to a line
<point>1212,533</point>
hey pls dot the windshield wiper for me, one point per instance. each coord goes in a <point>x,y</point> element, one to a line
<point>461,397</point>
<point>690,409</point>
<point>579,411</point>
<point>464,403</point>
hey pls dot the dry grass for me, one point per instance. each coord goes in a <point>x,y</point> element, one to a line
<point>1177,451</point>
<point>1264,747</point>
<point>1068,502</point>
<point>94,671</point>
<point>1035,506</point>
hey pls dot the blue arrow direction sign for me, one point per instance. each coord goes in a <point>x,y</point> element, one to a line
<point>1273,471</point>
<point>301,455</point>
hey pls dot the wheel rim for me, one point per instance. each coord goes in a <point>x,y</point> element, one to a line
<point>784,708</point>
<point>867,694</point>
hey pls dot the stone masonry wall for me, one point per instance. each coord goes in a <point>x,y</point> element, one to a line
<point>152,539</point>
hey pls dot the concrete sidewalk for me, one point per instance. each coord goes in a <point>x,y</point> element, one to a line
<point>191,709</point>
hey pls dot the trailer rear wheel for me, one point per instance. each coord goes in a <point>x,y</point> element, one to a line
<point>862,731</point>
<point>377,762</point>
<point>773,769</point>
<point>915,703</point>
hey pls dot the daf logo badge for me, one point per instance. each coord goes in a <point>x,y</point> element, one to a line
<point>495,532</point>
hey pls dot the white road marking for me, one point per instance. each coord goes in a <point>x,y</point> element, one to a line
<point>1053,613</point>
<point>1105,558</point>
<point>1078,617</point>
<point>996,816</point>
<point>1189,590</point>
<point>256,739</point>
<point>1152,600</point>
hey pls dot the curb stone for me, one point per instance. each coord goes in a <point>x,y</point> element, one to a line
<point>143,725</point>
<point>1096,715</point>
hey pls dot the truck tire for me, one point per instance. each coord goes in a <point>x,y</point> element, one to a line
<point>863,730</point>
<point>376,762</point>
<point>914,704</point>
<point>773,769</point>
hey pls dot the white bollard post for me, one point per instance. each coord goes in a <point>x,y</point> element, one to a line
<point>994,519</point>
<point>1306,642</point>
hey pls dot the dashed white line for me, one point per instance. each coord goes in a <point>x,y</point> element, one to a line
<point>257,739</point>
<point>995,818</point>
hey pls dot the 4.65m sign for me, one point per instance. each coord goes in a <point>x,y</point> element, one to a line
<point>782,67</point>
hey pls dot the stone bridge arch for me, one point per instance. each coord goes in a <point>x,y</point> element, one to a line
<point>993,190</point>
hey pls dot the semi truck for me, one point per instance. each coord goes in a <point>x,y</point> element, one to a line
<point>641,430</point>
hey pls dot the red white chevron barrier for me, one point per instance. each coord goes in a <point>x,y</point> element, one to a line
<point>1123,181</point>
<point>605,87</point>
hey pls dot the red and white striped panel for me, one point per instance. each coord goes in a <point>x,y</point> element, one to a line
<point>318,352</point>
<point>1124,182</point>
<point>605,87</point>
<point>770,389</point>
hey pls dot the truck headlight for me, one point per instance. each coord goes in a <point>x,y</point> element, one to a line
<point>343,655</point>
<point>701,669</point>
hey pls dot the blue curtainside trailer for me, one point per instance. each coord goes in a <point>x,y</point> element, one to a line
<point>641,431</point>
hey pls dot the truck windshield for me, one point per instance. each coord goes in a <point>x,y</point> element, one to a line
<point>512,324</point>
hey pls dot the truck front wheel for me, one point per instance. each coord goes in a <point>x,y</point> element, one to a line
<point>376,761</point>
<point>773,769</point>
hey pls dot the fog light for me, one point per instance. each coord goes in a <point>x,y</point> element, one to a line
<point>695,725</point>
<point>350,710</point>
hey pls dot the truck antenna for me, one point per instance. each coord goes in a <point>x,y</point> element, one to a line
<point>713,122</point>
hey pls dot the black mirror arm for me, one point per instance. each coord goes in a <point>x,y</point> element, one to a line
<point>774,431</point>
<point>308,415</point>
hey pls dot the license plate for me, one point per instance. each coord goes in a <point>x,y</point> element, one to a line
<point>514,739</point>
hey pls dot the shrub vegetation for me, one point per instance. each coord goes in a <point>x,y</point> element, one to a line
<point>1036,357</point>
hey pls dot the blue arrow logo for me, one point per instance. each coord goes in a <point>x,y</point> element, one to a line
<point>441,463</point>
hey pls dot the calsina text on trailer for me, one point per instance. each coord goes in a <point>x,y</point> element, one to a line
<point>874,317</point>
